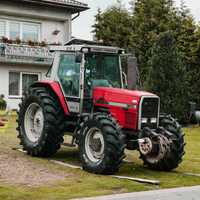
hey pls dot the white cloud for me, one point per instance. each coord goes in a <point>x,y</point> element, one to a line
<point>82,26</point>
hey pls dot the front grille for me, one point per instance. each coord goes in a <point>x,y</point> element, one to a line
<point>149,110</point>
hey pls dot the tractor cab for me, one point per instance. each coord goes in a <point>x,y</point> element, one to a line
<point>81,68</point>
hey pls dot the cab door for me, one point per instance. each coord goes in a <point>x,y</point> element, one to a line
<point>68,74</point>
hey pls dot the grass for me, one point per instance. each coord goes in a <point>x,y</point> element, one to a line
<point>2,112</point>
<point>83,184</point>
<point>3,128</point>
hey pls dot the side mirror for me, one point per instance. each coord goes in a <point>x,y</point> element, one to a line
<point>79,57</point>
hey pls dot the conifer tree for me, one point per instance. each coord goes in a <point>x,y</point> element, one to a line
<point>150,18</point>
<point>167,76</point>
<point>113,26</point>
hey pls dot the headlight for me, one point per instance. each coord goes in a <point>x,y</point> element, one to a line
<point>153,120</point>
<point>135,102</point>
<point>134,106</point>
<point>144,120</point>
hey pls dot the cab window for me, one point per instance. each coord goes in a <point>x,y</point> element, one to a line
<point>69,74</point>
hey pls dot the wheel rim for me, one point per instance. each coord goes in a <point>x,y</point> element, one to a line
<point>94,145</point>
<point>34,122</point>
<point>160,148</point>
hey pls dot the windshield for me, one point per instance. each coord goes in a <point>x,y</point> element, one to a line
<point>102,70</point>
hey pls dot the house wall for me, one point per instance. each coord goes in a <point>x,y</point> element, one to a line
<point>49,26</point>
<point>50,18</point>
<point>4,80</point>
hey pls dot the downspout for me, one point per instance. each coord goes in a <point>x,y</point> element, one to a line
<point>78,14</point>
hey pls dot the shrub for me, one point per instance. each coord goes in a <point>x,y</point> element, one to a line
<point>3,103</point>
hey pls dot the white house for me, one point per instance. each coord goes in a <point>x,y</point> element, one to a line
<point>26,27</point>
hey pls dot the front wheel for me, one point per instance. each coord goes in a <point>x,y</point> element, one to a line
<point>163,149</point>
<point>101,145</point>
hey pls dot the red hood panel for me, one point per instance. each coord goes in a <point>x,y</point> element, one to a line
<point>122,104</point>
<point>119,95</point>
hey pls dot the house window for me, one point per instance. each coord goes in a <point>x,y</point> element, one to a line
<point>27,80</point>
<point>2,28</point>
<point>14,83</point>
<point>14,30</point>
<point>30,32</point>
<point>24,31</point>
<point>20,81</point>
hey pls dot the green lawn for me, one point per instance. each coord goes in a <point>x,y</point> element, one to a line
<point>3,128</point>
<point>82,184</point>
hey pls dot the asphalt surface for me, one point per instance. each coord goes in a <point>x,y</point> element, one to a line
<point>186,193</point>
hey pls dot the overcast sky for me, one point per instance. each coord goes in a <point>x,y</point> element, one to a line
<point>81,27</point>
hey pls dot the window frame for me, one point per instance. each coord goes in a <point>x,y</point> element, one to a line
<point>33,24</point>
<point>21,24</point>
<point>21,82</point>
<point>58,78</point>
<point>5,27</point>
<point>9,29</point>
<point>14,96</point>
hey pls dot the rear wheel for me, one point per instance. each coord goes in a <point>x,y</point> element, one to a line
<point>40,122</point>
<point>164,147</point>
<point>101,145</point>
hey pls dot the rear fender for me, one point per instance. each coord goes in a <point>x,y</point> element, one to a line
<point>55,87</point>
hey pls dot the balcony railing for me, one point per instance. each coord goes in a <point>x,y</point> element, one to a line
<point>25,54</point>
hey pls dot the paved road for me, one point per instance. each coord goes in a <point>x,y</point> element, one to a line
<point>187,193</point>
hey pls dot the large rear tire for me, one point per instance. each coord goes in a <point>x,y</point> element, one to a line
<point>169,145</point>
<point>101,144</point>
<point>40,122</point>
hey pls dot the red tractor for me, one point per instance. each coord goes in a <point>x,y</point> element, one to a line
<point>85,98</point>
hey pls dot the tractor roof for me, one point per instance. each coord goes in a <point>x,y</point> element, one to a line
<point>87,48</point>
<point>80,45</point>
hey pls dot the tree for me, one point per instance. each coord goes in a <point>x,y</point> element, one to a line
<point>188,42</point>
<point>113,26</point>
<point>194,70</point>
<point>150,18</point>
<point>138,32</point>
<point>186,38</point>
<point>167,75</point>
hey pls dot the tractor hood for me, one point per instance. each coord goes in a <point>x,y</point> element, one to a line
<point>102,95</point>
